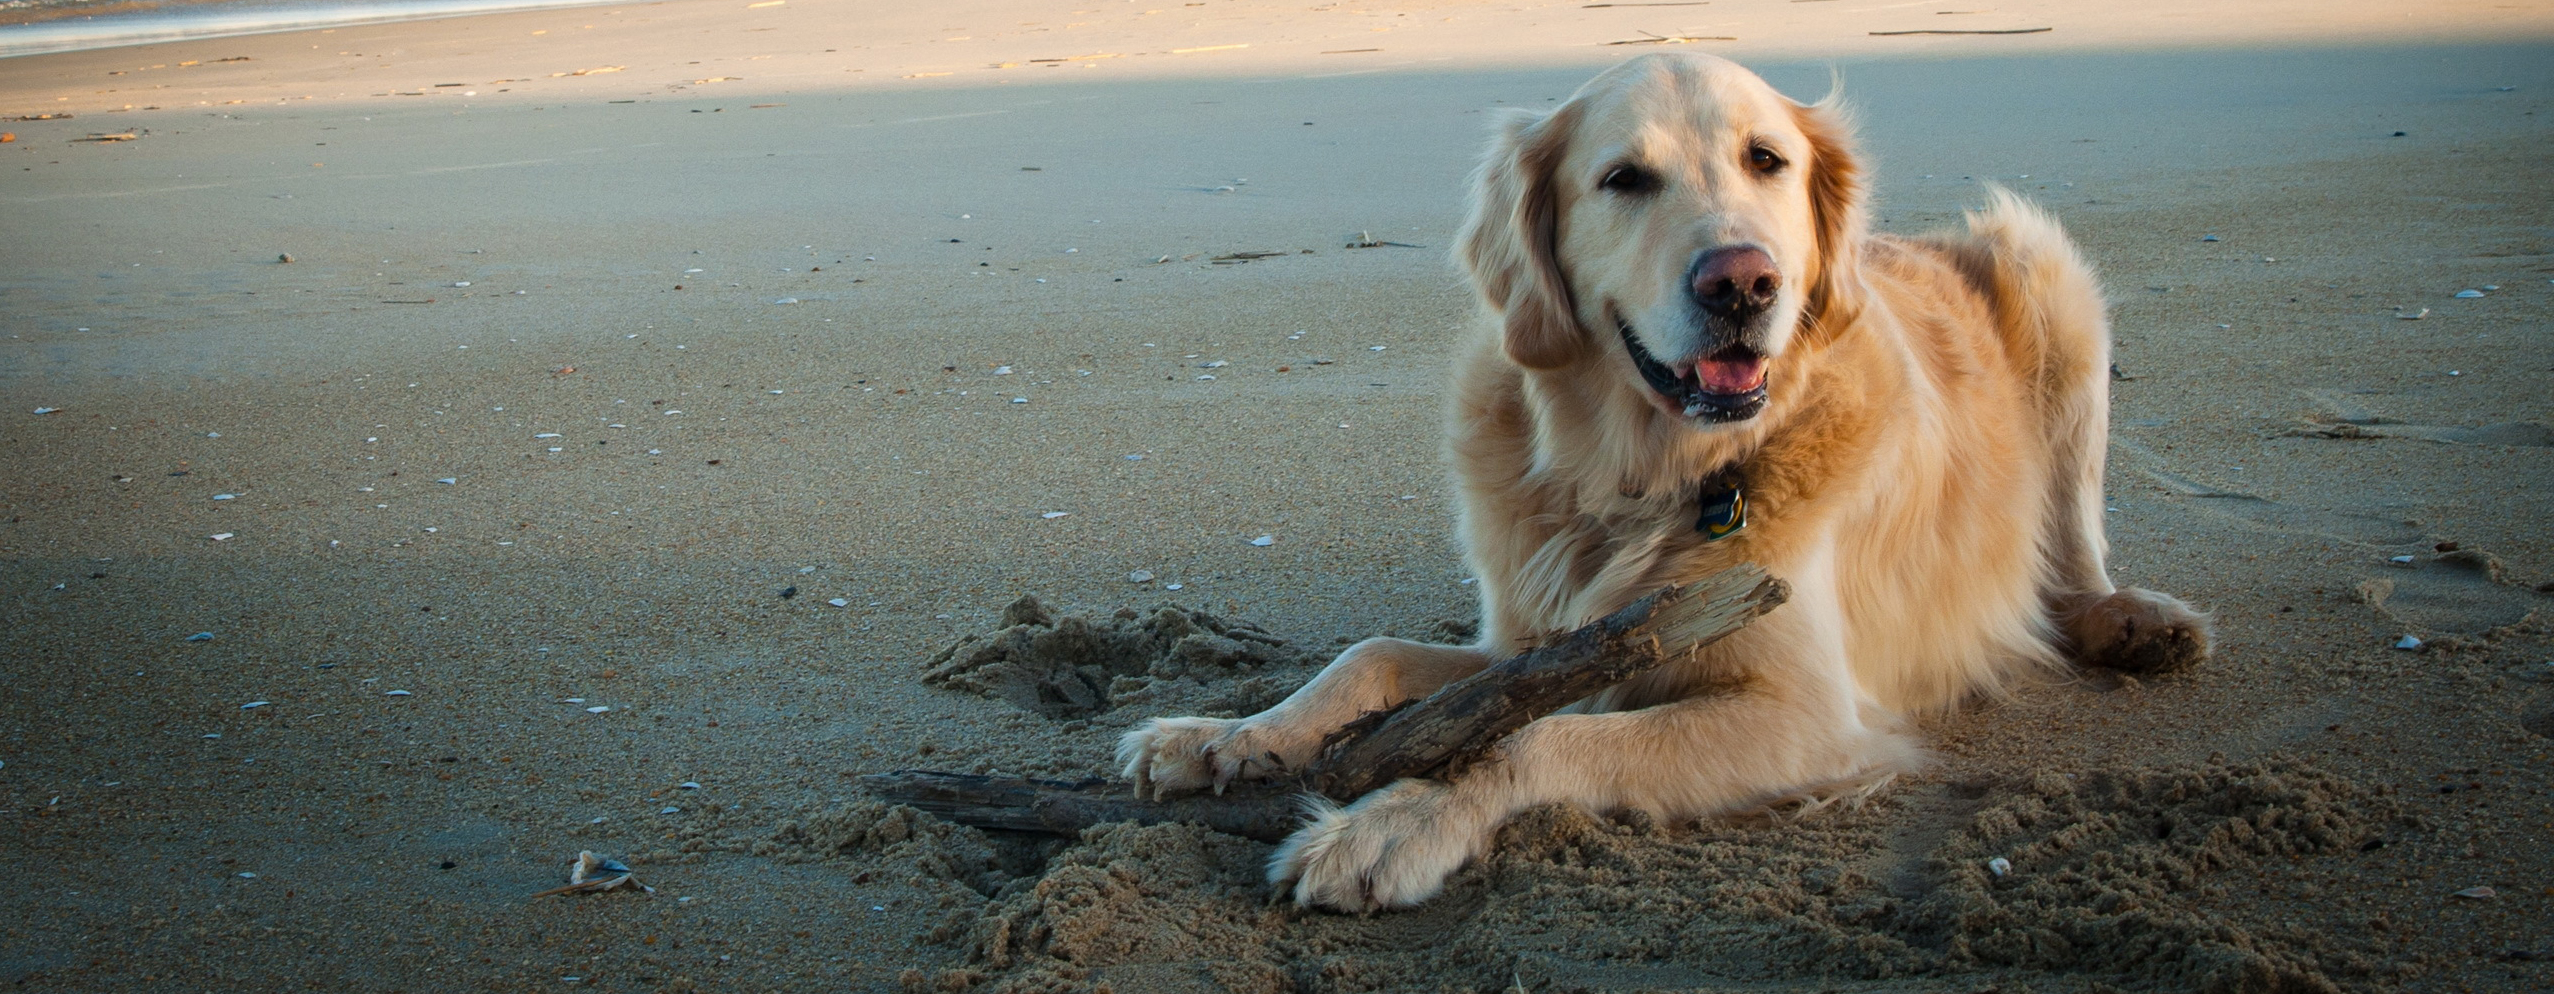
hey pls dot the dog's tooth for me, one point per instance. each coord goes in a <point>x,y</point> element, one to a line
<point>1693,408</point>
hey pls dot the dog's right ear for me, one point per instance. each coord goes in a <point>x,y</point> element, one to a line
<point>1508,242</point>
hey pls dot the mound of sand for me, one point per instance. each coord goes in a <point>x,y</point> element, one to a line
<point>1075,667</point>
<point>2110,882</point>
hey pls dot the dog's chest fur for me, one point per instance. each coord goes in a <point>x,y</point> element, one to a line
<point>1594,548</point>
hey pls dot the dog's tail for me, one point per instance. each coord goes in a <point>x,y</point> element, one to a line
<point>2049,310</point>
<point>2048,303</point>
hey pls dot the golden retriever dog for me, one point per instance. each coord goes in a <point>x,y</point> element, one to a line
<point>1694,352</point>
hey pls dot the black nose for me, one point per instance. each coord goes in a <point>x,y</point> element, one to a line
<point>1735,283</point>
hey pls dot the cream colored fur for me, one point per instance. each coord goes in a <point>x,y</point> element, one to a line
<point>1926,474</point>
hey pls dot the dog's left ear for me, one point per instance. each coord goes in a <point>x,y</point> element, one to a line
<point>1837,203</point>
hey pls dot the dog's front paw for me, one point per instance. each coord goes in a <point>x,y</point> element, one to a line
<point>2139,631</point>
<point>1392,849</point>
<point>1164,755</point>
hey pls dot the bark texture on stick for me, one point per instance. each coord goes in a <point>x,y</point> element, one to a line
<point>1439,734</point>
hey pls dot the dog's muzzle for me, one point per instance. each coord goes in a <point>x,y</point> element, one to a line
<point>1727,385</point>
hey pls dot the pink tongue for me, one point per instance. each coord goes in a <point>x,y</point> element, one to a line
<point>1731,376</point>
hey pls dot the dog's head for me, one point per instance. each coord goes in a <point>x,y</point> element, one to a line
<point>1676,228</point>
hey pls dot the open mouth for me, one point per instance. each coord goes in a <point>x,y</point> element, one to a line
<point>1728,385</point>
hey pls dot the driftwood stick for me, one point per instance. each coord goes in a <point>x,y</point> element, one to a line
<point>1464,719</point>
<point>1440,734</point>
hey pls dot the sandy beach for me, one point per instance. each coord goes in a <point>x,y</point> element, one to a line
<point>429,450</point>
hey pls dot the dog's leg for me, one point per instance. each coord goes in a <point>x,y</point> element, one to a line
<point>1171,754</point>
<point>2135,630</point>
<point>1793,724</point>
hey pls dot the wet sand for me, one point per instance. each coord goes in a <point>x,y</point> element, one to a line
<point>2285,436</point>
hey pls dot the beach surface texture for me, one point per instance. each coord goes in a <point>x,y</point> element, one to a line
<point>429,451</point>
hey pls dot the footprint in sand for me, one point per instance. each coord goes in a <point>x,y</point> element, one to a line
<point>2538,716</point>
<point>2460,592</point>
<point>2265,514</point>
<point>2338,415</point>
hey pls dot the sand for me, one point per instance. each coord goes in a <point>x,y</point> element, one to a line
<point>2285,436</point>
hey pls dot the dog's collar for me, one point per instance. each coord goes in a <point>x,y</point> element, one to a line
<point>1724,503</point>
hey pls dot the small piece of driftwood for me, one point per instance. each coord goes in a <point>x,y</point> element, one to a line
<point>1965,31</point>
<point>1652,39</point>
<point>1436,736</point>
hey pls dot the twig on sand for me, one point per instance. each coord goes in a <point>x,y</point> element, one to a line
<point>1657,39</point>
<point>1366,239</point>
<point>1970,31</point>
<point>1437,736</point>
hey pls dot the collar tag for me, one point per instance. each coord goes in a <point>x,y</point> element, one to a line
<point>1724,511</point>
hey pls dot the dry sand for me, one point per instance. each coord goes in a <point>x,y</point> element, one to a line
<point>2297,815</point>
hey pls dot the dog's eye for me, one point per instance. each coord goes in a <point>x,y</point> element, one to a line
<point>1628,179</point>
<point>1763,160</point>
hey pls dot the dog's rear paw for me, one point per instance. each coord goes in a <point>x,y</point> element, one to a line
<point>2138,631</point>
<point>1165,755</point>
